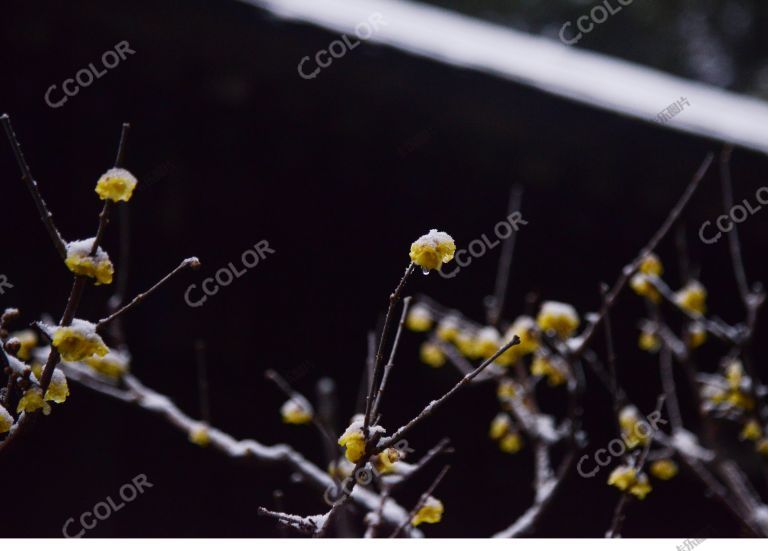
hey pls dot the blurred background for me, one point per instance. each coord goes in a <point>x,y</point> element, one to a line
<point>340,174</point>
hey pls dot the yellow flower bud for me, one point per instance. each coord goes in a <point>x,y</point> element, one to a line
<point>651,265</point>
<point>692,298</point>
<point>664,469</point>
<point>296,411</point>
<point>641,285</point>
<point>199,436</point>
<point>116,184</point>
<point>559,318</point>
<point>419,319</point>
<point>432,355</point>
<point>751,431</point>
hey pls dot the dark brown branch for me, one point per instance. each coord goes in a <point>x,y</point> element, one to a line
<point>734,244</point>
<point>29,181</point>
<point>398,435</point>
<point>633,266</point>
<point>391,361</point>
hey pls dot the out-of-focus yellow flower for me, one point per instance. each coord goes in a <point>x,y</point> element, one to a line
<point>500,425</point>
<point>558,317</point>
<point>543,366</point>
<point>78,341</point>
<point>740,400</point>
<point>525,328</point>
<point>511,443</point>
<point>354,442</point>
<point>651,265</point>
<point>341,468</point>
<point>32,400</point>
<point>28,341</point>
<point>762,447</point>
<point>296,411</point>
<point>734,374</point>
<point>385,461</point>
<point>116,184</point>
<point>466,344</point>
<point>692,298</point>
<point>506,390</point>
<point>113,364</point>
<point>432,355</point>
<point>487,342</point>
<point>58,390</point>
<point>431,512</point>
<point>431,250</point>
<point>80,262</point>
<point>6,420</point>
<point>448,329</point>
<point>751,431</point>
<point>664,469</point>
<point>632,428</point>
<point>199,436</point>
<point>419,319</point>
<point>626,479</point>
<point>649,341</point>
<point>697,334</point>
<point>641,285</point>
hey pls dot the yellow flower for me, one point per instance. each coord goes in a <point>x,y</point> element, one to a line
<point>642,286</point>
<point>692,298</point>
<point>500,426</point>
<point>511,443</point>
<point>31,401</point>
<point>697,335</point>
<point>734,374</point>
<point>354,442</point>
<point>486,342</point>
<point>525,328</point>
<point>507,389</point>
<point>751,431</point>
<point>80,262</point>
<point>626,479</point>
<point>58,390</point>
<point>651,265</point>
<point>78,341</point>
<point>432,355</point>
<point>466,343</point>
<point>28,340</point>
<point>629,421</point>
<point>6,421</point>
<point>431,512</point>
<point>113,365</point>
<point>762,447</point>
<point>448,329</point>
<point>199,436</point>
<point>431,250</point>
<point>419,319</point>
<point>543,366</point>
<point>385,461</point>
<point>116,184</point>
<point>649,342</point>
<point>664,469</point>
<point>296,411</point>
<point>558,317</point>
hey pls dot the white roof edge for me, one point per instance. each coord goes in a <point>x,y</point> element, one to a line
<point>548,65</point>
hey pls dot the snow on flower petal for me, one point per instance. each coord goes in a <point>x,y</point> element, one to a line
<point>432,355</point>
<point>116,184</point>
<point>558,317</point>
<point>431,250</point>
<point>199,436</point>
<point>31,401</point>
<point>296,411</point>
<point>419,319</point>
<point>354,442</point>
<point>113,365</point>
<point>58,390</point>
<point>78,341</point>
<point>431,512</point>
<point>692,298</point>
<point>80,261</point>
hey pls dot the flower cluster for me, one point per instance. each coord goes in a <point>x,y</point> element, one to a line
<point>628,480</point>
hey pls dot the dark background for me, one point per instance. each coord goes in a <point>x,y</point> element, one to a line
<point>232,147</point>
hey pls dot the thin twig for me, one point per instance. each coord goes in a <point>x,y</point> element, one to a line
<point>202,382</point>
<point>495,304</point>
<point>26,174</point>
<point>734,244</point>
<point>421,502</point>
<point>192,262</point>
<point>391,361</point>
